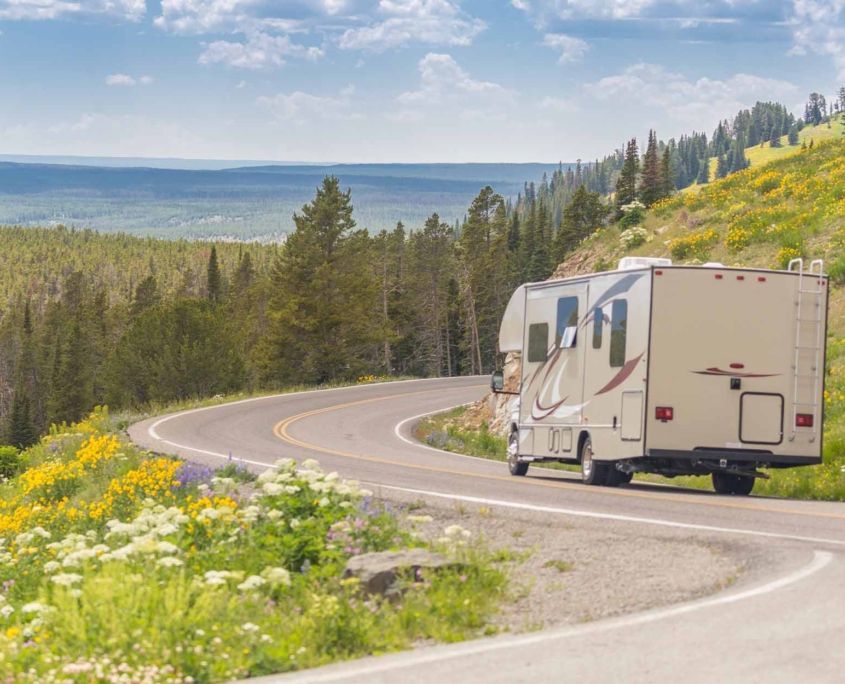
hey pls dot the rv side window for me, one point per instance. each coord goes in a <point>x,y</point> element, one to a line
<point>618,331</point>
<point>567,322</point>
<point>538,342</point>
<point>598,326</point>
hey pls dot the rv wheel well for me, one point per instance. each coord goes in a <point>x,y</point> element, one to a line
<point>581,439</point>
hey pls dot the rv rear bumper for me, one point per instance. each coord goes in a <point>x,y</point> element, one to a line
<point>760,458</point>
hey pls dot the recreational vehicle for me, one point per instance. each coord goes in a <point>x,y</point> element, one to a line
<point>678,370</point>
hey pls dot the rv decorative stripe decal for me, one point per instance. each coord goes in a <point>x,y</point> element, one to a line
<point>734,374</point>
<point>622,375</point>
<point>618,288</point>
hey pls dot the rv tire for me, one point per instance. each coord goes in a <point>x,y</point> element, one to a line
<point>728,483</point>
<point>515,467</point>
<point>593,472</point>
<point>616,477</point>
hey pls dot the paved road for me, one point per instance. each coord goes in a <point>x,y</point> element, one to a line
<point>787,626</point>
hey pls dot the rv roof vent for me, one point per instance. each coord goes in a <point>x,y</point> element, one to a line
<point>628,263</point>
<point>713,264</point>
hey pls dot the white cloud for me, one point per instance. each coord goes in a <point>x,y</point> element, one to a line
<point>260,50</point>
<point>300,107</point>
<point>430,22</point>
<point>571,49</point>
<point>34,10</point>
<point>697,102</point>
<point>127,81</point>
<point>818,26</point>
<point>442,78</point>
<point>448,93</point>
<point>559,104</point>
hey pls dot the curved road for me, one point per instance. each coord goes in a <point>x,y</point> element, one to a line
<point>786,626</point>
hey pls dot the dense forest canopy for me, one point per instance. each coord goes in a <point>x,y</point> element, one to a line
<point>88,318</point>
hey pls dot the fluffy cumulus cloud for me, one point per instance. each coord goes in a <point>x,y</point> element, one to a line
<point>569,48</point>
<point>257,51</point>
<point>301,107</point>
<point>696,102</point>
<point>447,91</point>
<point>819,27</point>
<point>400,22</point>
<point>33,10</point>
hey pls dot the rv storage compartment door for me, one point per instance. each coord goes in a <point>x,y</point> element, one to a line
<point>632,416</point>
<point>761,418</point>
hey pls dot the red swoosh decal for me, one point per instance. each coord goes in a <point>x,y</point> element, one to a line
<point>622,375</point>
<point>734,374</point>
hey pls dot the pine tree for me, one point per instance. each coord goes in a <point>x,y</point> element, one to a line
<point>146,296</point>
<point>320,314</point>
<point>651,185</point>
<point>244,274</point>
<point>722,167</point>
<point>667,187</point>
<point>20,429</point>
<point>626,185</point>
<point>703,172</point>
<point>214,286</point>
<point>793,135</point>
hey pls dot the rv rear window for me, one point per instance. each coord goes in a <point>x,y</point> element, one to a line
<point>618,332</point>
<point>598,326</point>
<point>538,342</point>
<point>567,322</point>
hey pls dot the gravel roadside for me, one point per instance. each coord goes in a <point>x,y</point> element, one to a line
<point>568,570</point>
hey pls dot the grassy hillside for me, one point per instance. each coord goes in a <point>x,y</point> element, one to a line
<point>758,155</point>
<point>761,217</point>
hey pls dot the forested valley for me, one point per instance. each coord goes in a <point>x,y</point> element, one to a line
<point>91,319</point>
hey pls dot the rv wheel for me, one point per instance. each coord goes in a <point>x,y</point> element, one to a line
<point>616,477</point>
<point>728,483</point>
<point>743,485</point>
<point>514,465</point>
<point>592,472</point>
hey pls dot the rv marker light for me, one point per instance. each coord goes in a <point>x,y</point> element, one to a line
<point>664,413</point>
<point>803,420</point>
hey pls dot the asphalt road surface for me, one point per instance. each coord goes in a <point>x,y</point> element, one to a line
<point>787,625</point>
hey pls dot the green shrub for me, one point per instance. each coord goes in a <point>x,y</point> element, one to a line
<point>10,461</point>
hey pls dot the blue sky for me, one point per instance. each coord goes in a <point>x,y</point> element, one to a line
<point>397,80</point>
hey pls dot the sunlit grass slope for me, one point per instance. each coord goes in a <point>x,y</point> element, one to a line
<point>762,217</point>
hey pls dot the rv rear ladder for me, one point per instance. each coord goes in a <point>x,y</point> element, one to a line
<point>808,350</point>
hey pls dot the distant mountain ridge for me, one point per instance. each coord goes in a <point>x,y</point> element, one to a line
<point>246,202</point>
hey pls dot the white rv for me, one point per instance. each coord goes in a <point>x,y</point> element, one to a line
<point>679,370</point>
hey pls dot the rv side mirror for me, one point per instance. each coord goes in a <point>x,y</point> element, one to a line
<point>497,381</point>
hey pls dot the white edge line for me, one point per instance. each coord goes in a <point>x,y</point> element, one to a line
<point>397,430</point>
<point>608,516</point>
<point>821,559</point>
<point>485,501</point>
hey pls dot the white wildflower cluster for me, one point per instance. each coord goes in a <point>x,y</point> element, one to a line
<point>286,478</point>
<point>144,535</point>
<point>269,577</point>
<point>633,237</point>
<point>455,535</point>
<point>636,205</point>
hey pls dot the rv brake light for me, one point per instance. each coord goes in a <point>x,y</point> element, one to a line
<point>664,413</point>
<point>803,420</point>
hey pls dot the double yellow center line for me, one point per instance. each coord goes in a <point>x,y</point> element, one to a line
<point>282,431</point>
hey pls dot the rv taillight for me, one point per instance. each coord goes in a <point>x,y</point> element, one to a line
<point>803,420</point>
<point>664,413</point>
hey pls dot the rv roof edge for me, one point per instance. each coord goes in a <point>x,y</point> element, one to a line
<point>629,263</point>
